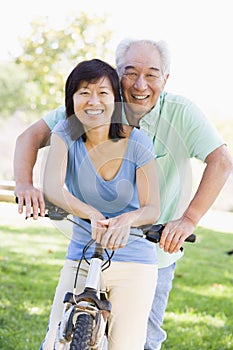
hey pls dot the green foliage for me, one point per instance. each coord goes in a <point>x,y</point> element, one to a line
<point>199,313</point>
<point>12,89</point>
<point>49,54</point>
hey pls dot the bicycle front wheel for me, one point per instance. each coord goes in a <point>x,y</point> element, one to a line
<point>82,333</point>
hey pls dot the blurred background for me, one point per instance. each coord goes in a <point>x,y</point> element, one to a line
<point>40,42</point>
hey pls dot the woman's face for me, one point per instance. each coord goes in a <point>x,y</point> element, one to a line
<point>94,103</point>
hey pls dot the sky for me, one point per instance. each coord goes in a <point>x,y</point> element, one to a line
<point>198,32</point>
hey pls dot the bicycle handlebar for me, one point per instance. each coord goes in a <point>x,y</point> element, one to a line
<point>152,232</point>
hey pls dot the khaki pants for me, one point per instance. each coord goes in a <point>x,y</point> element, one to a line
<point>130,287</point>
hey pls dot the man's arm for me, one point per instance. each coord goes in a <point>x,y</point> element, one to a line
<point>26,149</point>
<point>219,166</point>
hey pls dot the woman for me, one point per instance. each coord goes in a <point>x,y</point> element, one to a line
<point>111,188</point>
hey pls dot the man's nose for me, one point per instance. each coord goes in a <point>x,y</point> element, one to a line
<point>140,83</point>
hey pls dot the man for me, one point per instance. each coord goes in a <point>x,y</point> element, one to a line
<point>179,131</point>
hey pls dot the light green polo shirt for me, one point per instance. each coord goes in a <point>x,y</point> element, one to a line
<point>179,131</point>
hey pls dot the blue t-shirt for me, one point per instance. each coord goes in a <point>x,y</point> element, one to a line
<point>112,197</point>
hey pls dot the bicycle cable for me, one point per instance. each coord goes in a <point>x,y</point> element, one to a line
<point>83,257</point>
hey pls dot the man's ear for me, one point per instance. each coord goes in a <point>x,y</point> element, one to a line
<point>165,80</point>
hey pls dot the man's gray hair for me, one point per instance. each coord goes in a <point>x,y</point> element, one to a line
<point>125,44</point>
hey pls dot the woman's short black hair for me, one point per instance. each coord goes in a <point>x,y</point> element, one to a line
<point>91,71</point>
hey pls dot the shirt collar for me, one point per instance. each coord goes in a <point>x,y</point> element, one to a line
<point>150,119</point>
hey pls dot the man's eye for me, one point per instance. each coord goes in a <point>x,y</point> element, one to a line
<point>131,75</point>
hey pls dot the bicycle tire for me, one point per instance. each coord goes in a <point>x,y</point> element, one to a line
<point>82,333</point>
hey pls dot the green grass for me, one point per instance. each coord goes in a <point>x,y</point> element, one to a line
<point>200,309</point>
<point>30,262</point>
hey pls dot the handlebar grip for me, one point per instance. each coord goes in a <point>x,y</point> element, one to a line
<point>153,233</point>
<point>191,238</point>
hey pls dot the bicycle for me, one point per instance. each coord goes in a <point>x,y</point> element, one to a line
<point>84,323</point>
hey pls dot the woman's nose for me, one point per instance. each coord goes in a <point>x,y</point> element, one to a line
<point>94,99</point>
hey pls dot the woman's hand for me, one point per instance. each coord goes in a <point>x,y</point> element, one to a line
<point>97,230</point>
<point>115,232</point>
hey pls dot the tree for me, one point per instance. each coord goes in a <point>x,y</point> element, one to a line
<point>48,55</point>
<point>12,89</point>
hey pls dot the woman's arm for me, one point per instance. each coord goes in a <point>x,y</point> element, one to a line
<point>54,181</point>
<point>148,193</point>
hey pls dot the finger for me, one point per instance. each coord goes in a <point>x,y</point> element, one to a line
<point>35,208</point>
<point>119,239</point>
<point>114,241</point>
<point>175,249</point>
<point>38,204</point>
<point>105,239</point>
<point>124,240</point>
<point>166,239</point>
<point>116,245</point>
<point>163,237</point>
<point>100,234</point>
<point>28,205</point>
<point>94,227</point>
<point>97,233</point>
<point>94,234</point>
<point>176,243</point>
<point>170,246</point>
<point>119,243</point>
<point>41,204</point>
<point>20,204</point>
<point>103,222</point>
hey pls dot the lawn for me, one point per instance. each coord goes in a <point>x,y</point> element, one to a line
<point>198,317</point>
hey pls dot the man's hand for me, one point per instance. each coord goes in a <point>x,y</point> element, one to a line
<point>27,145</point>
<point>32,198</point>
<point>175,233</point>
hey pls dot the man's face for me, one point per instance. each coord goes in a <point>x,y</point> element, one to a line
<point>142,79</point>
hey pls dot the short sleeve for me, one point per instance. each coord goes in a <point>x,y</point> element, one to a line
<point>143,148</point>
<point>53,117</point>
<point>61,129</point>
<point>201,135</point>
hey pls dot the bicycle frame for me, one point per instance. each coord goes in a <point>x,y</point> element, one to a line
<point>91,302</point>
